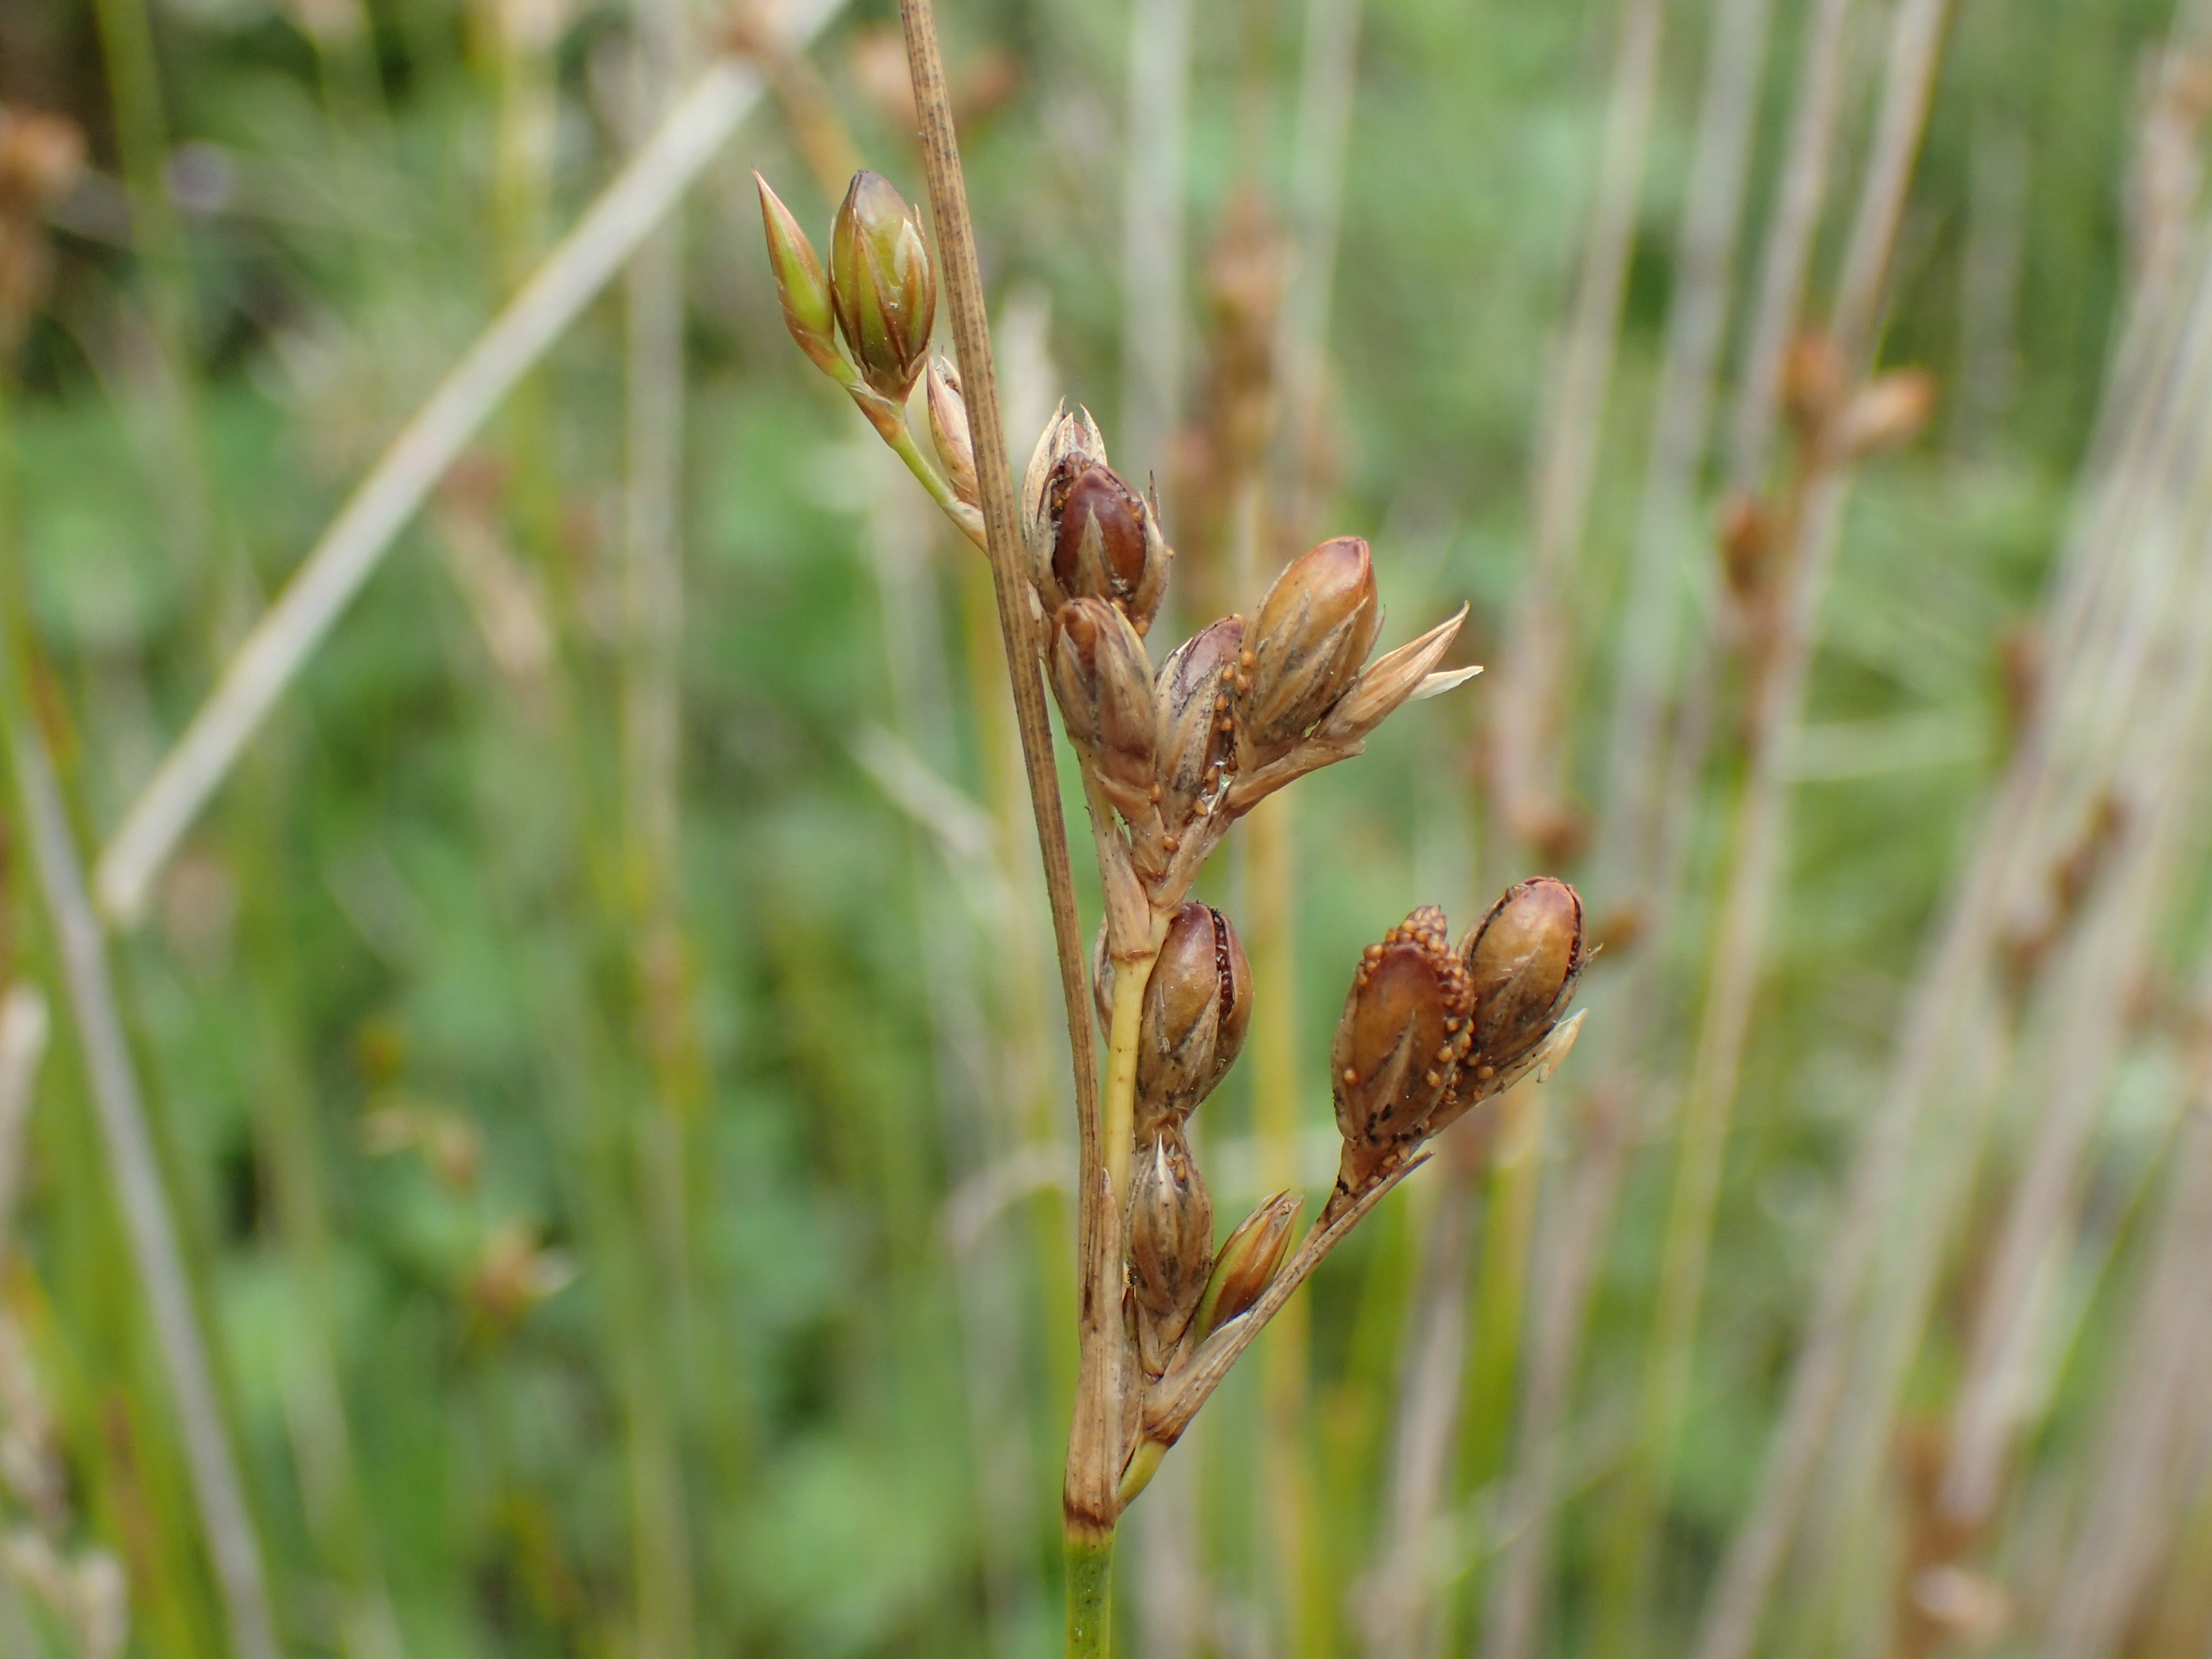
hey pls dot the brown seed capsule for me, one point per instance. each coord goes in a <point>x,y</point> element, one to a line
<point>1246,1264</point>
<point>1399,1044</point>
<point>1066,438</point>
<point>1106,541</point>
<point>1522,960</point>
<point>1103,681</point>
<point>1197,740</point>
<point>1314,630</point>
<point>1197,1005</point>
<point>1170,1241</point>
<point>948,430</point>
<point>882,285</point>
<point>800,285</point>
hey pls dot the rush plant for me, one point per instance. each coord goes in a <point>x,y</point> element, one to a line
<point>1171,757</point>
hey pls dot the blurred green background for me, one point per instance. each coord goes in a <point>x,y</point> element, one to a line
<point>627,1196</point>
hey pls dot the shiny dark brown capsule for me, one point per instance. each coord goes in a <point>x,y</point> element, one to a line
<point>1065,437</point>
<point>1522,960</point>
<point>1198,1005</point>
<point>1106,541</point>
<point>1306,648</point>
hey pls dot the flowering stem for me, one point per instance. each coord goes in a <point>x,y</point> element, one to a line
<point>1093,1469</point>
<point>1131,975</point>
<point>1089,1558</point>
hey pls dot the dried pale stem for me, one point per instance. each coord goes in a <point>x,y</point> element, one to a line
<point>149,1221</point>
<point>1088,1498</point>
<point>1812,521</point>
<point>1788,253</point>
<point>25,1026</point>
<point>2144,431</point>
<point>1667,531</point>
<point>1566,1273</point>
<point>1526,755</point>
<point>1153,326</point>
<point>2150,1449</point>
<point>2160,778</point>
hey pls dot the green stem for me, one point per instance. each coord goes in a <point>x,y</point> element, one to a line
<point>968,520</point>
<point>1089,1595</point>
<point>1130,979</point>
<point>890,423</point>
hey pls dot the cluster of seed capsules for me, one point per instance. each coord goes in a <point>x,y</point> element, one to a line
<point>1171,758</point>
<point>1428,1032</point>
<point>1176,755</point>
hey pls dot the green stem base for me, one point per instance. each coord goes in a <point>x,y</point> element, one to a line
<point>1090,1596</point>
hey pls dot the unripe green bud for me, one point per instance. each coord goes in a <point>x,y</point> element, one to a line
<point>1304,649</point>
<point>800,286</point>
<point>1247,1263</point>
<point>1197,734</point>
<point>882,285</point>
<point>1197,1006</point>
<point>1399,1044</point>
<point>1103,681</point>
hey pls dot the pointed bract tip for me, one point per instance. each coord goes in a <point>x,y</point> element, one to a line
<point>801,287</point>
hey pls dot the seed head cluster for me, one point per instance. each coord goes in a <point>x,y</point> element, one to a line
<point>1171,758</point>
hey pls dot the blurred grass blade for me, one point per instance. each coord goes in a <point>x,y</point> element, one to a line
<point>24,1028</point>
<point>1528,750</point>
<point>2149,1455</point>
<point>1759,836</point>
<point>217,1486</point>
